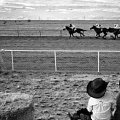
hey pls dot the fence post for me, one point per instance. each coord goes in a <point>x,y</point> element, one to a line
<point>98,61</point>
<point>55,61</point>
<point>40,33</point>
<point>2,67</point>
<point>18,31</point>
<point>12,60</point>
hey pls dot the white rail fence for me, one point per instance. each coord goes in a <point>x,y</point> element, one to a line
<point>55,53</point>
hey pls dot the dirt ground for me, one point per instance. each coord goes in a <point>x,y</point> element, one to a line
<point>55,94</point>
<point>58,43</point>
<point>65,61</point>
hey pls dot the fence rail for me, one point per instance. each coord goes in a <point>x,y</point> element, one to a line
<point>55,52</point>
<point>17,31</point>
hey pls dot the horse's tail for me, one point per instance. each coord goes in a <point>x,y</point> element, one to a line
<point>80,29</point>
<point>83,30</point>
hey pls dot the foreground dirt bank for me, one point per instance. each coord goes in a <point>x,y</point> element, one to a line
<point>54,94</point>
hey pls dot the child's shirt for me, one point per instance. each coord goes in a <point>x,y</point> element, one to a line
<point>101,107</point>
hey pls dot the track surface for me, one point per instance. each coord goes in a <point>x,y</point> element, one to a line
<point>62,43</point>
<point>84,62</point>
<point>56,94</point>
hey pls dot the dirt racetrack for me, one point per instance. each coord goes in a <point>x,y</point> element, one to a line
<point>55,94</point>
<point>81,61</point>
<point>58,43</point>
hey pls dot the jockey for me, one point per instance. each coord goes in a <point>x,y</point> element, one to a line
<point>116,26</point>
<point>98,25</point>
<point>72,27</point>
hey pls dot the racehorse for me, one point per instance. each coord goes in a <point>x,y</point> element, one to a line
<point>115,31</point>
<point>99,31</point>
<point>77,30</point>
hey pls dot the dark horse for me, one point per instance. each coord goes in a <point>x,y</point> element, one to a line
<point>99,31</point>
<point>77,30</point>
<point>105,31</point>
<point>115,31</point>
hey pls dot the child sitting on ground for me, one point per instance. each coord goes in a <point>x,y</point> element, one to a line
<point>101,102</point>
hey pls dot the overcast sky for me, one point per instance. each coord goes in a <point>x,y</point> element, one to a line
<point>60,9</point>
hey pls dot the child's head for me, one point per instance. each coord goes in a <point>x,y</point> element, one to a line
<point>97,88</point>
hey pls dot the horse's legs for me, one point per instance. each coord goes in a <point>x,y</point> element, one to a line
<point>97,35</point>
<point>104,35</point>
<point>81,34</point>
<point>115,37</point>
<point>72,35</point>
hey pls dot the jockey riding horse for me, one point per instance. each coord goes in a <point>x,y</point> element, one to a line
<point>71,31</point>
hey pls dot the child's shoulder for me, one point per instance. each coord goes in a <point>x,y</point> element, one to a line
<point>108,95</point>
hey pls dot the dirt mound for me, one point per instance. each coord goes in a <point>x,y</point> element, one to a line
<point>17,106</point>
